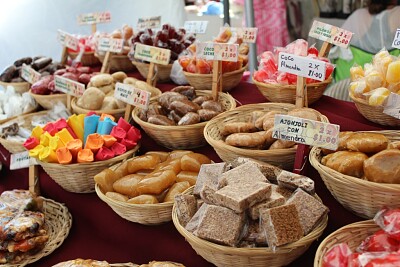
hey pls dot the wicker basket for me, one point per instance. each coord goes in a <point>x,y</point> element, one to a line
<point>362,197</point>
<point>352,234</point>
<point>283,158</point>
<point>184,136</point>
<point>230,256</point>
<point>88,58</point>
<point>78,177</point>
<point>58,222</point>
<point>204,81</point>
<point>117,113</point>
<point>287,93</point>
<point>18,87</point>
<point>374,113</point>
<point>163,71</point>
<point>118,63</point>
<point>48,101</point>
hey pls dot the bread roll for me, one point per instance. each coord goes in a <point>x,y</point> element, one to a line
<point>238,127</point>
<point>343,137</point>
<point>383,167</point>
<point>367,142</point>
<point>143,199</point>
<point>100,80</point>
<point>119,76</point>
<point>305,113</point>
<point>91,99</point>
<point>128,185</point>
<point>176,189</point>
<point>117,196</point>
<point>346,162</point>
<point>281,144</point>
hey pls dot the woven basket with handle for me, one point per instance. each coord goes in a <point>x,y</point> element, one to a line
<point>163,71</point>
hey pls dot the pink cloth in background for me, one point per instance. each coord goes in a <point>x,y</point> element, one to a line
<point>270,19</point>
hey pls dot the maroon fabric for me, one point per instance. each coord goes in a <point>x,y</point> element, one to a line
<point>99,233</point>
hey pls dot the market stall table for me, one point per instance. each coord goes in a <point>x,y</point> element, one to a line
<point>99,233</point>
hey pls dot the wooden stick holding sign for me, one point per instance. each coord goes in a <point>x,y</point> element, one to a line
<point>69,87</point>
<point>132,96</point>
<point>110,46</point>
<point>21,161</point>
<point>94,18</point>
<point>68,41</point>
<point>154,55</point>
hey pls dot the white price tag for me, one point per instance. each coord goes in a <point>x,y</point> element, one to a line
<point>302,66</point>
<point>217,51</point>
<point>68,86</point>
<point>94,18</point>
<point>131,95</point>
<point>392,106</point>
<point>68,40</point>
<point>152,54</point>
<point>308,132</point>
<point>21,161</point>
<point>111,44</point>
<point>396,40</point>
<point>331,34</point>
<point>30,75</point>
<point>198,27</point>
<point>151,22</point>
<point>248,34</point>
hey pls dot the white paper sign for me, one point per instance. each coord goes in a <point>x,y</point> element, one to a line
<point>217,51</point>
<point>198,27</point>
<point>68,86</point>
<point>30,75</point>
<point>396,40</point>
<point>152,22</point>
<point>21,161</point>
<point>308,132</point>
<point>68,40</point>
<point>111,44</point>
<point>302,66</point>
<point>152,54</point>
<point>331,34</point>
<point>131,95</point>
<point>94,18</point>
<point>248,34</point>
<point>392,106</point>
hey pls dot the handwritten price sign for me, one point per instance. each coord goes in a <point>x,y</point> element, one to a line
<point>131,95</point>
<point>21,160</point>
<point>68,40</point>
<point>217,51</point>
<point>195,26</point>
<point>152,22</point>
<point>331,34</point>
<point>94,18</point>
<point>110,44</point>
<point>68,86</point>
<point>152,54</point>
<point>308,132</point>
<point>302,66</point>
<point>30,75</point>
<point>249,34</point>
<point>396,40</point>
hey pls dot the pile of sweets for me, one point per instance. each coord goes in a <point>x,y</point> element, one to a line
<point>376,80</point>
<point>82,138</point>
<point>378,249</point>
<point>271,207</point>
<point>268,68</point>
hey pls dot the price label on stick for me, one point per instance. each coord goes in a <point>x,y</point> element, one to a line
<point>151,22</point>
<point>68,86</point>
<point>195,26</point>
<point>111,44</point>
<point>331,34</point>
<point>21,160</point>
<point>217,51</point>
<point>302,66</point>
<point>94,18</point>
<point>68,40</point>
<point>308,132</point>
<point>392,106</point>
<point>248,34</point>
<point>396,40</point>
<point>131,95</point>
<point>152,54</point>
<point>30,75</point>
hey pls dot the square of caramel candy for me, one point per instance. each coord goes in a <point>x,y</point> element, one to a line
<point>243,174</point>
<point>209,174</point>
<point>274,200</point>
<point>269,171</point>
<point>293,181</point>
<point>186,207</point>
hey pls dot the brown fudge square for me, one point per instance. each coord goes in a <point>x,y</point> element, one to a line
<point>285,192</point>
<point>242,196</point>
<point>243,174</point>
<point>274,200</point>
<point>293,181</point>
<point>310,209</point>
<point>193,224</point>
<point>209,174</point>
<point>221,225</point>
<point>186,207</point>
<point>268,170</point>
<point>282,225</point>
<point>207,194</point>
<point>254,234</point>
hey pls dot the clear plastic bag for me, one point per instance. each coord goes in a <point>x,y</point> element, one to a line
<point>177,75</point>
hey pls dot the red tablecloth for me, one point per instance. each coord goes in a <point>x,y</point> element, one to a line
<point>99,233</point>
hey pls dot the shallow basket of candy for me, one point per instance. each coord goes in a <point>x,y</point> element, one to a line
<point>279,86</point>
<point>71,162</point>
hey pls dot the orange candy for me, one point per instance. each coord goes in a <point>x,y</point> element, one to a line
<point>85,155</point>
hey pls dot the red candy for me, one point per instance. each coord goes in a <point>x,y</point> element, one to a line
<point>31,143</point>
<point>128,143</point>
<point>104,153</point>
<point>50,128</point>
<point>337,256</point>
<point>134,134</point>
<point>118,133</point>
<point>118,148</point>
<point>389,221</point>
<point>123,124</point>
<point>378,242</point>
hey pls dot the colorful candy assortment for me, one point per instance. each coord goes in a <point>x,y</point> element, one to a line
<point>82,138</point>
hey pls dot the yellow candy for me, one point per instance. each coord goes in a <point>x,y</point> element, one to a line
<point>48,155</point>
<point>375,80</point>
<point>77,126</point>
<point>356,73</point>
<point>64,136</point>
<point>378,96</point>
<point>393,72</point>
<point>45,139</point>
<point>37,132</point>
<point>81,119</point>
<point>55,142</point>
<point>34,153</point>
<point>358,88</point>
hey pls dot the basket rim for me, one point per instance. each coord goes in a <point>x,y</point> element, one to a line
<point>289,86</point>
<point>189,74</point>
<point>76,108</point>
<point>46,96</point>
<point>178,127</point>
<point>14,83</point>
<point>137,62</point>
